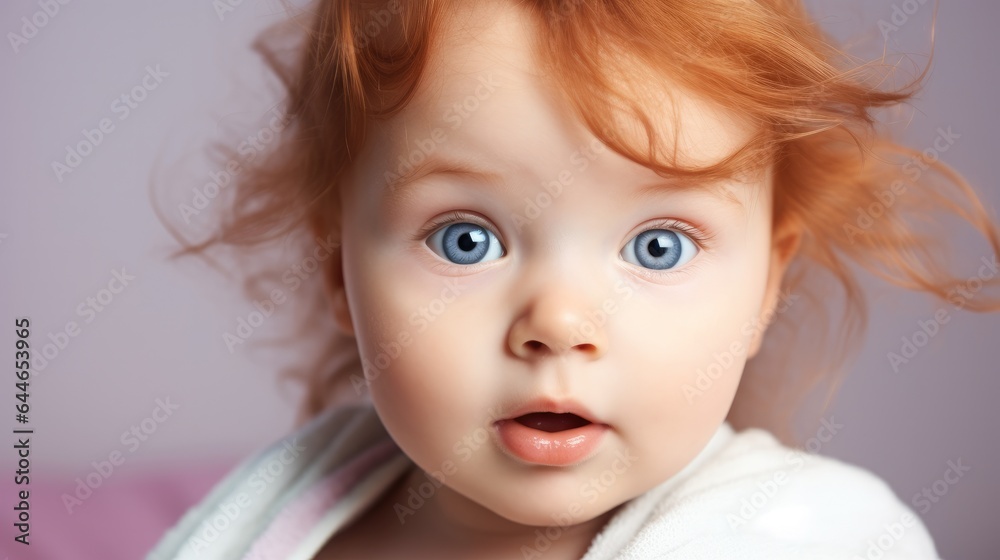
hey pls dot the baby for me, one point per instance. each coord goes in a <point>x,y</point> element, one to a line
<point>563,229</point>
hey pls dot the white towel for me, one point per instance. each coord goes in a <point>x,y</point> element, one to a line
<point>744,496</point>
<point>755,498</point>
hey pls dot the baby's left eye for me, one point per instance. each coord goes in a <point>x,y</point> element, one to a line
<point>465,243</point>
<point>659,249</point>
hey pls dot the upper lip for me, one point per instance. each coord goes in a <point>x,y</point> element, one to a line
<point>556,406</point>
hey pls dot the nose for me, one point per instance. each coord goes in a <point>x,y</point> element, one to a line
<point>559,323</point>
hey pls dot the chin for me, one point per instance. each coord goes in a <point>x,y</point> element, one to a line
<point>564,513</point>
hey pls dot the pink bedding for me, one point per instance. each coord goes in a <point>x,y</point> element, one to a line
<point>122,519</point>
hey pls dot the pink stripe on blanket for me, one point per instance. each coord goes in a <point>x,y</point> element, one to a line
<point>291,526</point>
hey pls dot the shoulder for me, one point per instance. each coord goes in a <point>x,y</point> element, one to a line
<point>799,497</point>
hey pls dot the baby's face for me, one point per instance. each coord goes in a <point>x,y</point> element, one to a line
<point>528,269</point>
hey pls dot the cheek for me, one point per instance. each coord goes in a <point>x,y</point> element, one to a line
<point>676,342</point>
<point>424,356</point>
<point>415,397</point>
<point>687,351</point>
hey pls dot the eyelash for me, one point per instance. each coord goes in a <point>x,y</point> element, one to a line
<point>457,216</point>
<point>703,239</point>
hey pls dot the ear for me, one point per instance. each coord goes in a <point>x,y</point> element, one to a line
<point>333,278</point>
<point>784,245</point>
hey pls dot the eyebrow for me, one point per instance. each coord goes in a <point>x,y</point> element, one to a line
<point>711,185</point>
<point>435,164</point>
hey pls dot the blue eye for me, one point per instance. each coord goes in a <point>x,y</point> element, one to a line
<point>465,243</point>
<point>659,249</point>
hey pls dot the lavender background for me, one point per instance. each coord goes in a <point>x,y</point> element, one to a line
<point>161,337</point>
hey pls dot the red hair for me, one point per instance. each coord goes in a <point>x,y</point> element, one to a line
<point>851,190</point>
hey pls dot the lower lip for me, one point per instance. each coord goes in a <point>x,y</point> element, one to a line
<point>556,449</point>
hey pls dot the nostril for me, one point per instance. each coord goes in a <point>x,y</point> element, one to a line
<point>534,345</point>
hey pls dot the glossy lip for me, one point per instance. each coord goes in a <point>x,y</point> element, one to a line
<point>554,449</point>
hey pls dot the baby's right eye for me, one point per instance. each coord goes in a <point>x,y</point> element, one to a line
<point>465,243</point>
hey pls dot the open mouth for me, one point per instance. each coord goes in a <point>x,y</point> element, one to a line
<point>556,439</point>
<point>551,421</point>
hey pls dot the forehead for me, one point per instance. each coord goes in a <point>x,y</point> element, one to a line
<point>484,91</point>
